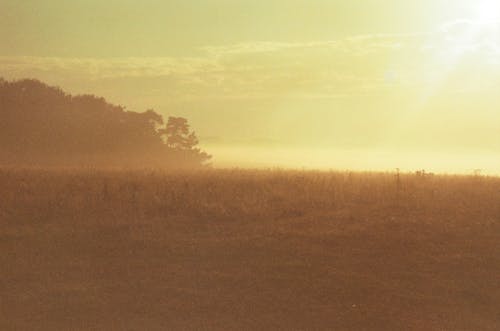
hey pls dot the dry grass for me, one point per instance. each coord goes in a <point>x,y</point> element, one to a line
<point>248,250</point>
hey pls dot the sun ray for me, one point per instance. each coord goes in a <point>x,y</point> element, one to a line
<point>488,11</point>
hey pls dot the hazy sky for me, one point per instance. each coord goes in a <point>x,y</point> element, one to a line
<point>365,84</point>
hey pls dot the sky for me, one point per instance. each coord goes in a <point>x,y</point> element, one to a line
<point>330,84</point>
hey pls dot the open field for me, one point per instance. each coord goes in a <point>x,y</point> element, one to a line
<point>248,250</point>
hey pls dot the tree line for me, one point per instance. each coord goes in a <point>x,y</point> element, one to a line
<point>43,125</point>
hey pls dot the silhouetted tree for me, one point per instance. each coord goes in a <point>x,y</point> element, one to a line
<point>40,124</point>
<point>183,142</point>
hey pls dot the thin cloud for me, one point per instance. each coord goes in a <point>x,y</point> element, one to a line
<point>337,68</point>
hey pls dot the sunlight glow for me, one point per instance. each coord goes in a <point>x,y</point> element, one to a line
<point>488,11</point>
<point>477,34</point>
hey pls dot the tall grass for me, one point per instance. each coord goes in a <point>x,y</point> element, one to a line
<point>116,196</point>
<point>248,250</point>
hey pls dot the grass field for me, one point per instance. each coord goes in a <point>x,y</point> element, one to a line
<point>248,250</point>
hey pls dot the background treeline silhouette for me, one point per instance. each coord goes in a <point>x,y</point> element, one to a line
<point>43,125</point>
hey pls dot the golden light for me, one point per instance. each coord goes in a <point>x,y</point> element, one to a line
<point>488,11</point>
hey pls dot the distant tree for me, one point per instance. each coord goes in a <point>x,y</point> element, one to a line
<point>43,125</point>
<point>177,133</point>
<point>183,141</point>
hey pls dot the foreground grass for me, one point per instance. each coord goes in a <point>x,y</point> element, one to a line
<point>248,250</point>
